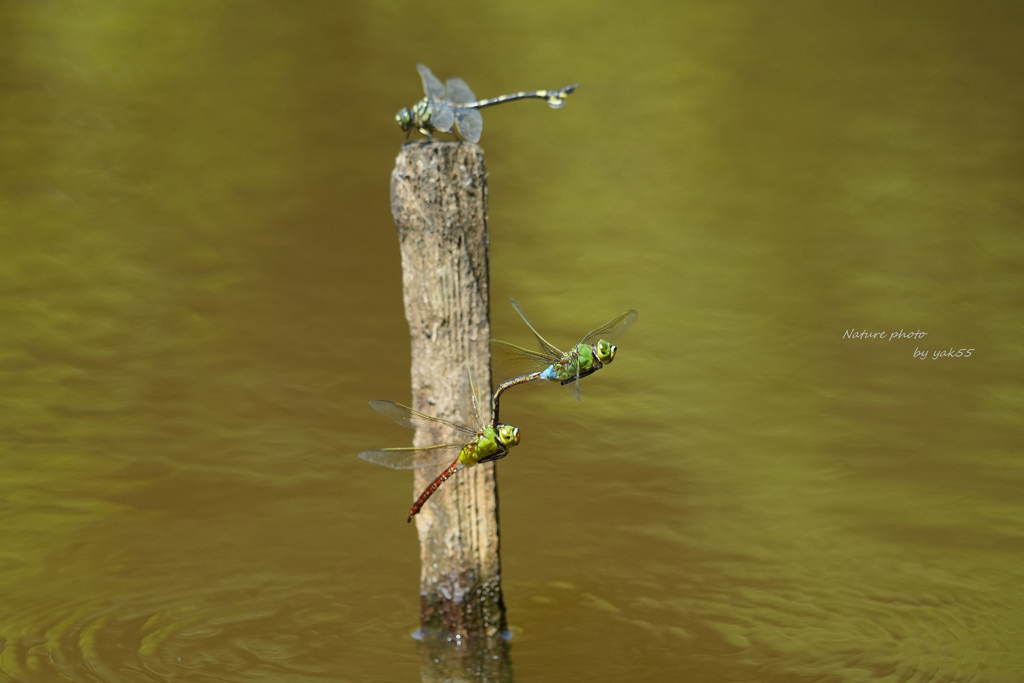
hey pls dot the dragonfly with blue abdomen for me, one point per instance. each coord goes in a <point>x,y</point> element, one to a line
<point>455,104</point>
<point>469,447</point>
<point>521,365</point>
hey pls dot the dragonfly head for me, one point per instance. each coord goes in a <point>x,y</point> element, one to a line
<point>606,351</point>
<point>508,435</point>
<point>404,118</point>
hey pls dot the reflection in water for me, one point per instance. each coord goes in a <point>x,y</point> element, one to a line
<point>202,289</point>
<point>444,658</point>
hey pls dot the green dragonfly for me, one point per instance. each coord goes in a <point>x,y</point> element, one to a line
<point>455,104</point>
<point>468,446</point>
<point>566,367</point>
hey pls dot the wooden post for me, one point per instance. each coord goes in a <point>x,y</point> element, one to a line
<point>439,202</point>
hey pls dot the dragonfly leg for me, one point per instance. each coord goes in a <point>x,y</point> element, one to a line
<point>588,373</point>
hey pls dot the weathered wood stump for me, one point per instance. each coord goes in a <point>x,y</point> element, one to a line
<point>439,202</point>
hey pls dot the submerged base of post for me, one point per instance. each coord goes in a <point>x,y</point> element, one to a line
<point>449,659</point>
<point>439,202</point>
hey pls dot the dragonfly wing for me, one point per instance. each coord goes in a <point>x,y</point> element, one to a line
<point>459,92</point>
<point>470,122</point>
<point>613,328</point>
<point>574,388</point>
<point>477,400</point>
<point>511,361</point>
<point>413,419</point>
<point>442,116</point>
<point>432,85</point>
<point>573,385</point>
<point>413,458</point>
<point>548,348</point>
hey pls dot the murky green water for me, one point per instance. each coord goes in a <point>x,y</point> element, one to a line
<point>200,290</point>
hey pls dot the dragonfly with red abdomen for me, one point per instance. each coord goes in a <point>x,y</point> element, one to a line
<point>468,446</point>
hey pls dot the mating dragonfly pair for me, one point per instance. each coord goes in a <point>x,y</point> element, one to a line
<point>492,439</point>
<point>455,104</point>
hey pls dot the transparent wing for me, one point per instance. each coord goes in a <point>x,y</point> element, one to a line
<point>474,393</point>
<point>413,458</point>
<point>544,345</point>
<point>574,388</point>
<point>432,85</point>
<point>412,419</point>
<point>574,385</point>
<point>613,328</point>
<point>511,361</point>
<point>470,123</point>
<point>459,92</point>
<point>442,116</point>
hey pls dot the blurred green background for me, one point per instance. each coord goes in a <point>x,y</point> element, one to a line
<point>200,289</point>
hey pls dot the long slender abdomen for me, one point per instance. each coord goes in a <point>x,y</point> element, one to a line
<point>491,101</point>
<point>508,384</point>
<point>434,485</point>
<point>555,98</point>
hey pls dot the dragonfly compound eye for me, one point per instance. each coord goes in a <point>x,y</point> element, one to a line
<point>605,351</point>
<point>509,435</point>
<point>404,118</point>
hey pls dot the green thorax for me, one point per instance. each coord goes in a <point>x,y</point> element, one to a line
<point>421,114</point>
<point>486,444</point>
<point>579,361</point>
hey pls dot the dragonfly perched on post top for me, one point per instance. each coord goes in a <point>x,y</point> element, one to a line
<point>490,441</point>
<point>455,104</point>
<point>522,365</point>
